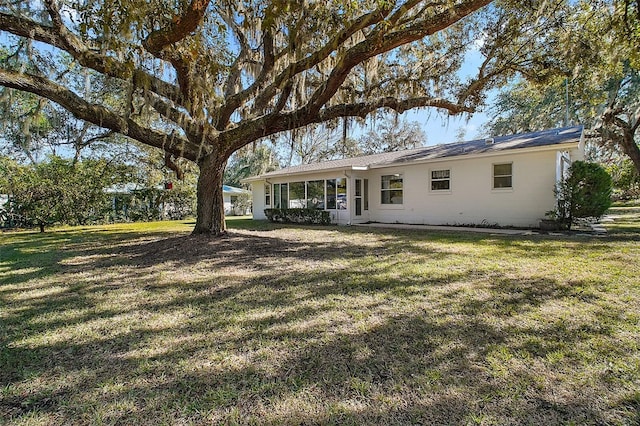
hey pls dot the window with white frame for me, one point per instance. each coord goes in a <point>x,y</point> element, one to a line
<point>336,191</point>
<point>267,195</point>
<point>391,189</point>
<point>503,176</point>
<point>441,180</point>
<point>297,197</point>
<point>315,194</point>
<point>330,190</point>
<point>280,195</point>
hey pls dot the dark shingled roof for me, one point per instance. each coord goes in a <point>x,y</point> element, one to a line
<point>457,149</point>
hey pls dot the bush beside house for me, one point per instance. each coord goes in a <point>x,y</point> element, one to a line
<point>303,216</point>
<point>584,194</point>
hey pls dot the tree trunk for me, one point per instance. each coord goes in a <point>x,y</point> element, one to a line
<point>210,203</point>
<point>630,147</point>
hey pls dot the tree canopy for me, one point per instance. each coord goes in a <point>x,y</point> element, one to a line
<point>200,79</point>
<point>589,73</point>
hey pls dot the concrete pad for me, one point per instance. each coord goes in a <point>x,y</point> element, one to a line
<point>494,231</point>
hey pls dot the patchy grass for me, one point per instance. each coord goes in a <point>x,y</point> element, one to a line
<point>145,324</point>
<point>626,217</point>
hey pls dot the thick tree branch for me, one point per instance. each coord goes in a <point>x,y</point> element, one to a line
<point>636,121</point>
<point>179,28</point>
<point>378,43</point>
<point>56,19</point>
<point>610,117</point>
<point>96,114</point>
<point>159,42</point>
<point>277,122</point>
<point>399,105</point>
<point>172,165</point>
<point>302,65</point>
<point>402,11</point>
<point>236,67</point>
<point>193,129</point>
<point>431,25</point>
<point>284,96</point>
<point>86,55</point>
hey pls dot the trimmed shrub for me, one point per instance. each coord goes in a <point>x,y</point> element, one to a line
<point>303,216</point>
<point>585,193</point>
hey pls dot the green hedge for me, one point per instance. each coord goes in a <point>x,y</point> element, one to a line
<point>304,216</point>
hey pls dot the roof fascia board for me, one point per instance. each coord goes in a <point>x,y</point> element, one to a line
<point>306,172</point>
<point>496,153</point>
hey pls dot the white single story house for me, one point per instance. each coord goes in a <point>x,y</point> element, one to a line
<point>506,181</point>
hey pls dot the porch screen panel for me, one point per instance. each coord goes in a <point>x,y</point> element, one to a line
<point>276,196</point>
<point>284,195</point>
<point>331,194</point>
<point>315,194</point>
<point>358,197</point>
<point>366,194</point>
<point>296,195</point>
<point>341,193</point>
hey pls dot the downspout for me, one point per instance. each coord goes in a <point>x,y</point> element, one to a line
<point>349,184</point>
<point>270,196</point>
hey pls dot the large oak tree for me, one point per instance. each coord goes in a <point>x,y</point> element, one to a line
<point>200,79</point>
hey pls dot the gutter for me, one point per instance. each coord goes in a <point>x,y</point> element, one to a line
<point>495,153</point>
<point>305,172</point>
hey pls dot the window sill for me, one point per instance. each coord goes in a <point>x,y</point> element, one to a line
<point>391,206</point>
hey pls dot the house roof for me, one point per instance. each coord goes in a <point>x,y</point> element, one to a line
<point>128,188</point>
<point>233,190</point>
<point>539,139</point>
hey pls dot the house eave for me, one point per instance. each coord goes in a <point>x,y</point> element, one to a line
<point>509,147</point>
<point>496,153</point>
<point>304,172</point>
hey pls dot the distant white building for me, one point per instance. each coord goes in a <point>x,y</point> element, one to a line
<point>231,205</point>
<point>230,196</point>
<point>507,181</point>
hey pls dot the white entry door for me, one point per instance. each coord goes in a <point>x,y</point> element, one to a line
<point>361,196</point>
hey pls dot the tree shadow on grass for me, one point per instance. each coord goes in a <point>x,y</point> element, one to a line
<point>406,369</point>
<point>311,332</point>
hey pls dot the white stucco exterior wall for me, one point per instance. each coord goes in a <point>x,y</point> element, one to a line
<point>471,199</point>
<point>257,193</point>
<point>227,203</point>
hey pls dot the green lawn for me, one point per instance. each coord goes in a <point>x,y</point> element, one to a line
<point>145,324</point>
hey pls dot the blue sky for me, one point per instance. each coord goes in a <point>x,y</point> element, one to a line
<point>441,128</point>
